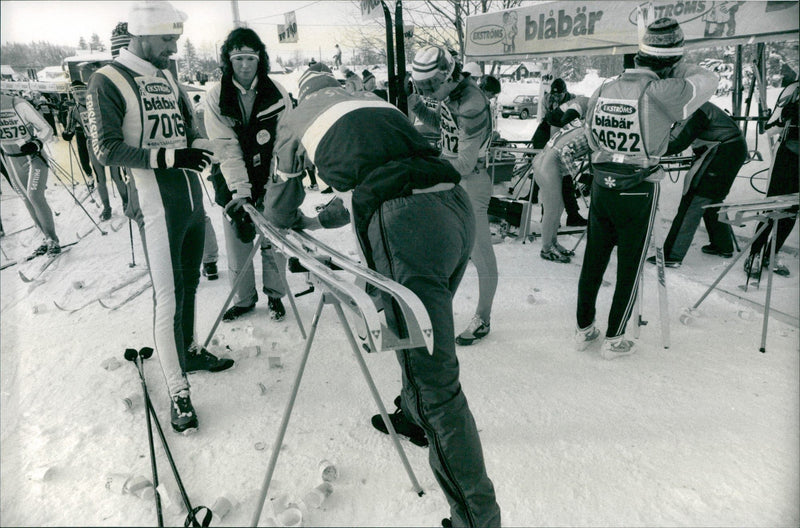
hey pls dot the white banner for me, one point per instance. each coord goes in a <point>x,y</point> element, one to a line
<point>371,9</point>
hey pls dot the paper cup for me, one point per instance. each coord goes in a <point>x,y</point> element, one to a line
<point>221,507</point>
<point>290,517</point>
<point>327,471</point>
<point>115,482</point>
<point>316,496</point>
<point>40,474</point>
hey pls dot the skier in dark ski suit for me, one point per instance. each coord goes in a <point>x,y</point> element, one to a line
<point>400,188</point>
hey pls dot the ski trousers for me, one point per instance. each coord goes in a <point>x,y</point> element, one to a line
<point>478,186</point>
<point>712,186</point>
<point>273,267</point>
<point>100,179</point>
<point>783,180</point>
<point>83,148</point>
<point>28,175</point>
<point>168,208</point>
<point>623,219</point>
<point>431,263</point>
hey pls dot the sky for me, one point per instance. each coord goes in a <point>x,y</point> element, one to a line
<point>321,24</point>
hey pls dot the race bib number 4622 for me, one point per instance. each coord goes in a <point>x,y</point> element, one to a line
<point>162,122</point>
<point>616,125</point>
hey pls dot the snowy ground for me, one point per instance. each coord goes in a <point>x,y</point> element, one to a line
<point>702,434</point>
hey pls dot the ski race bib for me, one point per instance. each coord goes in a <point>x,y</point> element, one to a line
<point>162,122</point>
<point>12,130</point>
<point>616,126</point>
<point>449,133</point>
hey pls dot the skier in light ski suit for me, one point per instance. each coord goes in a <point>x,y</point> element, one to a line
<point>628,124</point>
<point>464,119</point>
<point>140,119</point>
<point>23,132</point>
<point>400,188</point>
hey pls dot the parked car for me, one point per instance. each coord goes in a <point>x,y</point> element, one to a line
<point>523,106</point>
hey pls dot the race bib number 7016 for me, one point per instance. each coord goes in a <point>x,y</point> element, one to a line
<point>616,125</point>
<point>162,122</point>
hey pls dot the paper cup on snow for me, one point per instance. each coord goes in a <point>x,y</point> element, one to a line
<point>290,517</point>
<point>115,482</point>
<point>40,474</point>
<point>137,485</point>
<point>275,362</point>
<point>327,471</point>
<point>171,499</point>
<point>316,496</point>
<point>222,506</point>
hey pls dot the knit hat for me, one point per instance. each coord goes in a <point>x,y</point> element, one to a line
<point>155,17</point>
<point>312,81</point>
<point>119,38</point>
<point>490,85</point>
<point>663,39</point>
<point>432,66</point>
<point>318,67</point>
<point>558,86</point>
<point>366,73</point>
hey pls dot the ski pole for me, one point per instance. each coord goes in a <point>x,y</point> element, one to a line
<point>83,175</point>
<point>71,169</point>
<point>145,353</point>
<point>132,355</point>
<point>662,277</point>
<point>74,197</point>
<point>130,232</point>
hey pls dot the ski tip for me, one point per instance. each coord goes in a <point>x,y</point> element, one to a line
<point>23,277</point>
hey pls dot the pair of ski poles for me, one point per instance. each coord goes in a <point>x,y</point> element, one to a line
<point>137,357</point>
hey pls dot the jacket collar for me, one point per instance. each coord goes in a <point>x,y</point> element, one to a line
<point>136,63</point>
<point>229,98</point>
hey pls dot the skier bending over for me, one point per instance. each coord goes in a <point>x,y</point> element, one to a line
<point>400,188</point>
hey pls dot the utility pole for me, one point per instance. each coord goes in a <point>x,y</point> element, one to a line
<point>235,8</point>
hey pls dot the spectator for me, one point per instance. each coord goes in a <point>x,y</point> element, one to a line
<point>245,108</point>
<point>720,151</point>
<point>369,80</point>
<point>337,57</point>
<point>352,82</point>
<point>169,200</point>
<point>399,189</point>
<point>660,91</point>
<point>465,123</point>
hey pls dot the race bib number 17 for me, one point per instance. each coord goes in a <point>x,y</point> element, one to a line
<point>163,124</point>
<point>616,125</point>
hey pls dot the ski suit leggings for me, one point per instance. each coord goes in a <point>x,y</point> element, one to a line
<point>29,176</point>
<point>168,207</point>
<point>712,187</point>
<point>83,147</point>
<point>431,263</point>
<point>623,219</point>
<point>547,173</point>
<point>273,268</point>
<point>478,185</point>
<point>783,180</point>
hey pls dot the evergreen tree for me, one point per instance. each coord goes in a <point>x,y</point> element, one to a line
<point>189,60</point>
<point>95,43</point>
<point>82,44</point>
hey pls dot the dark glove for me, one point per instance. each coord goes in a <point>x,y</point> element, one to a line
<point>33,146</point>
<point>67,136</point>
<point>334,214</point>
<point>187,158</point>
<point>240,221</point>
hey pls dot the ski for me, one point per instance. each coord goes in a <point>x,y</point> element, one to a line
<point>44,266</point>
<point>128,299</point>
<point>106,293</point>
<point>117,225</point>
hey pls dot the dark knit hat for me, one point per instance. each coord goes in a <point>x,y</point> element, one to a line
<point>312,81</point>
<point>663,38</point>
<point>558,86</point>
<point>490,84</point>
<point>366,73</point>
<point>318,67</point>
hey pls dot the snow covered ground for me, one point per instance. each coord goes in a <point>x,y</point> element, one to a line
<point>704,433</point>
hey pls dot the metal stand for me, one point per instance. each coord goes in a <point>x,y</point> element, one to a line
<point>770,209</point>
<point>328,298</point>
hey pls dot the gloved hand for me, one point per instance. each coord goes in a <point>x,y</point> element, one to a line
<point>187,158</point>
<point>67,136</point>
<point>33,146</point>
<point>240,221</point>
<point>334,214</point>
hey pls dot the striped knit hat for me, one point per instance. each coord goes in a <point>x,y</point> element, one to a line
<point>119,38</point>
<point>430,61</point>
<point>311,81</point>
<point>662,39</point>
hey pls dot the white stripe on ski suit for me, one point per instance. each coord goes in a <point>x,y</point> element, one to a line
<point>156,239</point>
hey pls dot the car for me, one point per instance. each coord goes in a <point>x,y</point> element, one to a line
<point>523,106</point>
